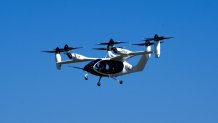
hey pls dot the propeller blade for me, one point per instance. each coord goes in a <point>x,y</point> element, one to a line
<point>111,42</point>
<point>147,43</point>
<point>157,38</point>
<point>144,44</point>
<point>163,38</point>
<point>51,51</point>
<point>74,48</point>
<point>57,50</point>
<point>110,45</point>
<point>102,43</point>
<point>65,49</point>
<point>119,42</point>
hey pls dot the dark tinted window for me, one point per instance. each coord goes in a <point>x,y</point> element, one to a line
<point>109,66</point>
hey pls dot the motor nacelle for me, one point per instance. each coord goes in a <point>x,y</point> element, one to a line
<point>75,56</point>
<point>121,51</point>
<point>57,52</point>
<point>58,59</point>
<point>157,49</point>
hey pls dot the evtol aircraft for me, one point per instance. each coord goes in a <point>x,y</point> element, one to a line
<point>114,64</point>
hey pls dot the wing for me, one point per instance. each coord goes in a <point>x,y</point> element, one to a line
<point>130,55</point>
<point>76,61</point>
<point>77,58</point>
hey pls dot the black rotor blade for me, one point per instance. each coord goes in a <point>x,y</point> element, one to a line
<point>157,38</point>
<point>74,48</point>
<point>57,50</point>
<point>67,48</point>
<point>51,51</point>
<point>119,42</point>
<point>146,43</point>
<point>111,42</point>
<point>102,43</point>
<point>163,38</point>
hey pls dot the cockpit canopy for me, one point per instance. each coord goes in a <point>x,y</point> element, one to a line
<point>108,66</point>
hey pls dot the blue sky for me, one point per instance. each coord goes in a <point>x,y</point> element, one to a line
<point>180,87</point>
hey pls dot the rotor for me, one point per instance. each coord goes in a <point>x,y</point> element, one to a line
<point>111,42</point>
<point>59,50</point>
<point>110,45</point>
<point>146,43</point>
<point>158,38</point>
<point>150,41</point>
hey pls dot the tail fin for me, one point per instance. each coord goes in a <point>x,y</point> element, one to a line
<point>143,60</point>
<point>58,59</point>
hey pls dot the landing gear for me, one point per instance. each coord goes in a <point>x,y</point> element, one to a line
<point>120,81</point>
<point>99,81</point>
<point>86,76</point>
<point>98,84</point>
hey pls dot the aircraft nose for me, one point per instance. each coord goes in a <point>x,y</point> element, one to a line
<point>87,68</point>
